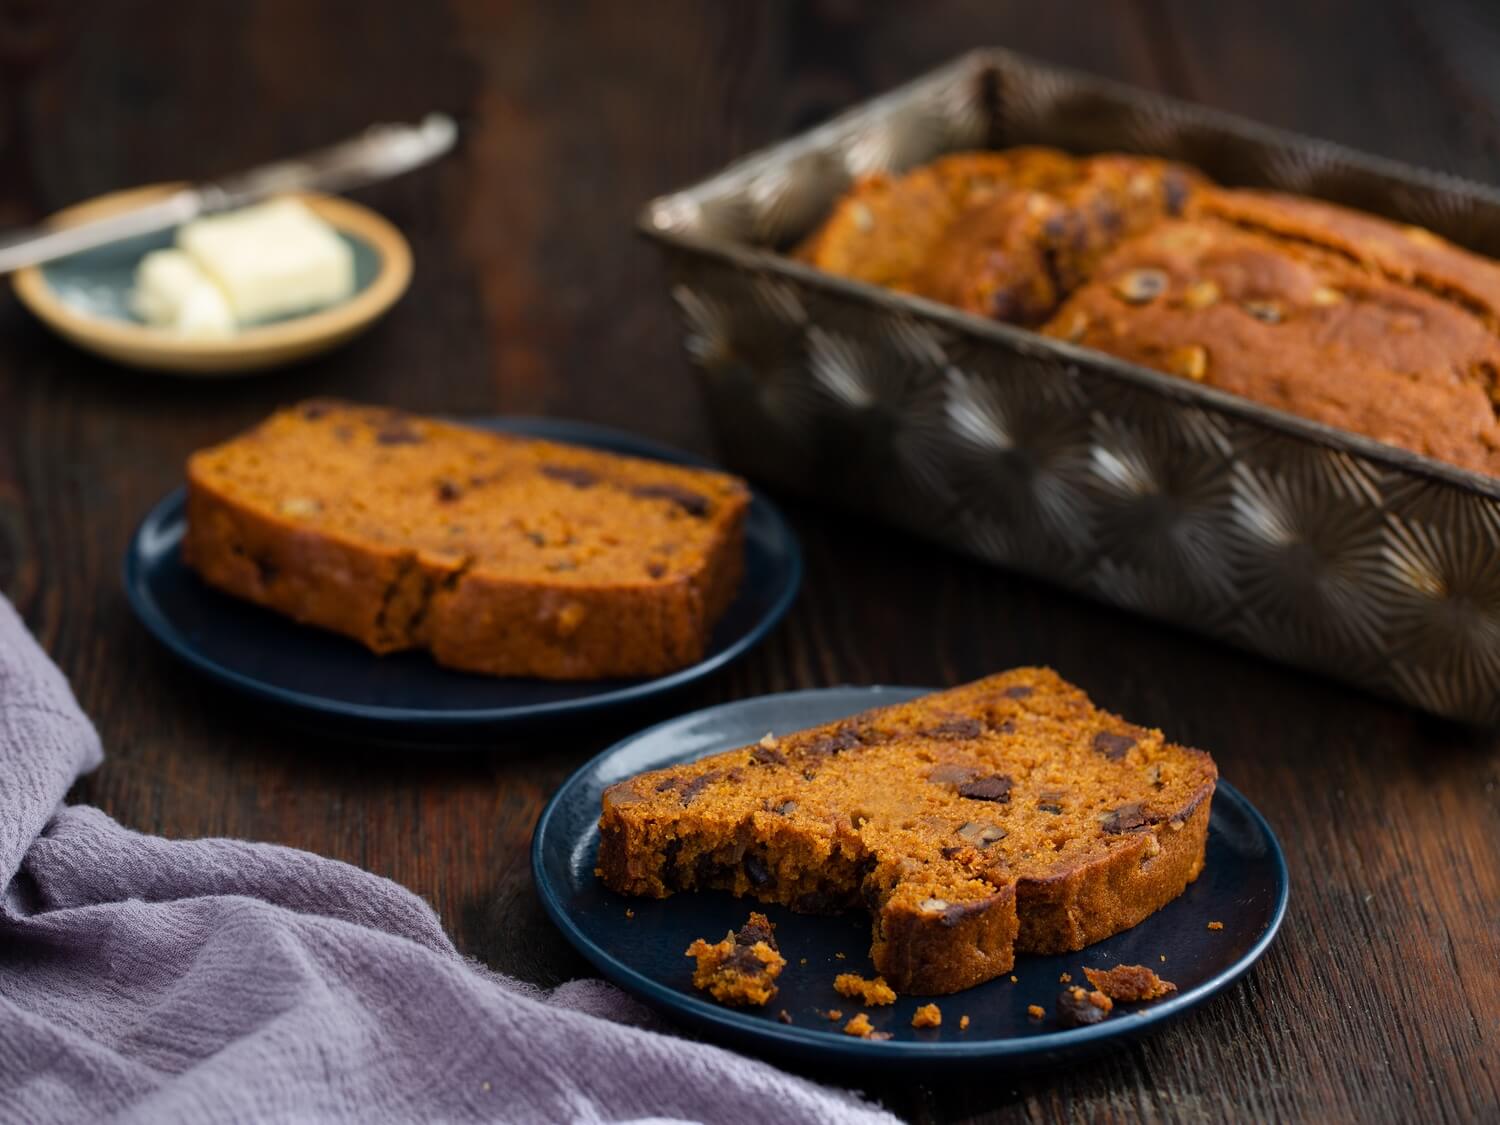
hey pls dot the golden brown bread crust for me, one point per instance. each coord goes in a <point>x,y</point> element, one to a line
<point>994,260</point>
<point>1336,315</point>
<point>499,555</point>
<point>1117,890</point>
<point>1399,252</point>
<point>884,228</point>
<point>1299,328</point>
<point>1008,814</point>
<point>930,954</point>
<point>1002,234</point>
<point>1016,256</point>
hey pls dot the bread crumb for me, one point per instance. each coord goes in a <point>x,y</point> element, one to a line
<point>963,1023</point>
<point>1014,979</point>
<point>1065,978</point>
<point>872,992</point>
<point>1216,925</point>
<point>834,1014</point>
<point>629,913</point>
<point>1129,983</point>
<point>802,961</point>
<point>928,1015</point>
<point>784,1016</point>
<point>741,969</point>
<point>859,1026</point>
<point>840,956</point>
<point>1036,1011</point>
<point>1163,956</point>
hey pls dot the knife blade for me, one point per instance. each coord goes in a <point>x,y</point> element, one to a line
<point>380,152</point>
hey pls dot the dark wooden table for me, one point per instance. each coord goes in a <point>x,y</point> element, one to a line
<point>1380,999</point>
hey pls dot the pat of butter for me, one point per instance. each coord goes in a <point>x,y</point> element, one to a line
<point>271,259</point>
<point>172,292</point>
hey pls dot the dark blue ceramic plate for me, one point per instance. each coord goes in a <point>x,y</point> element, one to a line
<point>330,680</point>
<point>1243,885</point>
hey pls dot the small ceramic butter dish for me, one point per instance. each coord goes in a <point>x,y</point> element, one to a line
<point>88,298</point>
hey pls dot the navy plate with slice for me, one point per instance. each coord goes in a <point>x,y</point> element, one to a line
<point>330,681</point>
<point>1243,885</point>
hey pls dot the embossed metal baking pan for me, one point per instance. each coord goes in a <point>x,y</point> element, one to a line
<point>1308,544</point>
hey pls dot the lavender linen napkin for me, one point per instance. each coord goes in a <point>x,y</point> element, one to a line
<point>153,980</point>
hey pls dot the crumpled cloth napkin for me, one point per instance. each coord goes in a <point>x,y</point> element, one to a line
<point>153,980</point>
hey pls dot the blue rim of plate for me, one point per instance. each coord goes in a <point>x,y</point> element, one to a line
<point>551,429</point>
<point>806,1043</point>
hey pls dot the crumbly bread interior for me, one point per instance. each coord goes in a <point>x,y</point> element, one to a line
<point>743,967</point>
<point>1129,983</point>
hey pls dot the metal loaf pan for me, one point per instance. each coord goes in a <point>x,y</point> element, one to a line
<point>1317,547</point>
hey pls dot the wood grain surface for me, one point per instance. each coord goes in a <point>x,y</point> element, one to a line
<point>1381,999</point>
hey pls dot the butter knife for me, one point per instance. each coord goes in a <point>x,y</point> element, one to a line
<point>380,152</point>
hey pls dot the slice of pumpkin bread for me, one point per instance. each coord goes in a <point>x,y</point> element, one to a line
<point>1008,814</point>
<point>499,554</point>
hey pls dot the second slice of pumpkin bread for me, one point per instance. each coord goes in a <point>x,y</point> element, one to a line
<point>1008,814</point>
<point>499,554</point>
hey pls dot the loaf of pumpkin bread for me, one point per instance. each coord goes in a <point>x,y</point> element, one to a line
<point>499,554</point>
<point>1339,316</point>
<point>1006,815</point>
